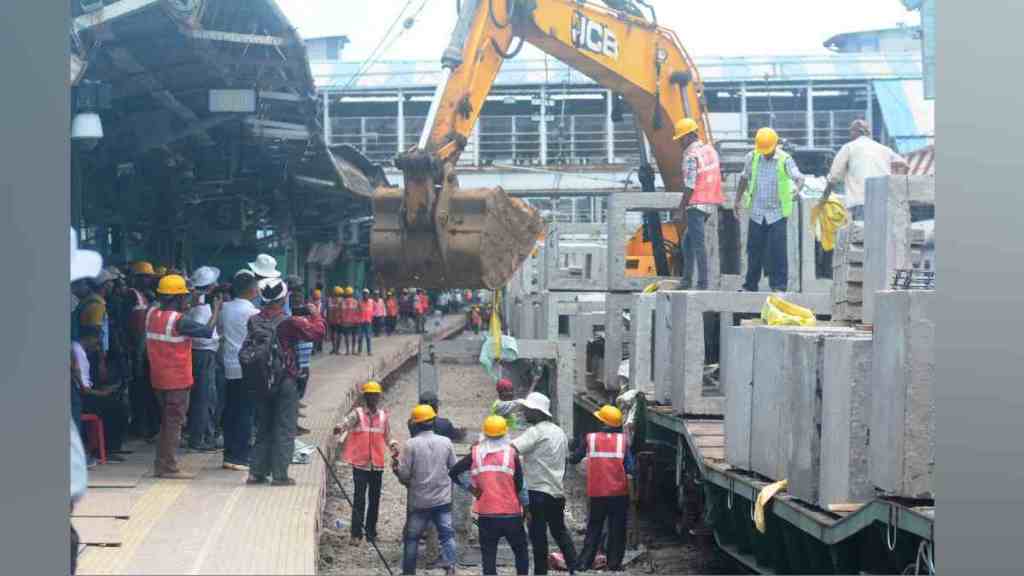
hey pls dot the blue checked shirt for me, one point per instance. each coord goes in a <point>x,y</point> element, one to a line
<point>765,206</point>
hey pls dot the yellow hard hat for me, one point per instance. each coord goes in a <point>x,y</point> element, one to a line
<point>684,127</point>
<point>339,291</point>
<point>766,140</point>
<point>348,290</point>
<point>610,415</point>
<point>142,267</point>
<point>423,413</point>
<point>495,426</point>
<point>317,293</point>
<point>172,285</point>
<point>372,387</point>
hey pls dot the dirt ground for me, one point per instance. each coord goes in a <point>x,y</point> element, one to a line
<point>466,393</point>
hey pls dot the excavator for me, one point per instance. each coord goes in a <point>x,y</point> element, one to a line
<point>434,234</point>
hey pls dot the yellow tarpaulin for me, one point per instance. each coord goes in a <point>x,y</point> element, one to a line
<point>826,218</point>
<point>766,494</point>
<point>778,312</point>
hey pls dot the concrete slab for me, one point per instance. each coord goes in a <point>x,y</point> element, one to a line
<point>887,233</point>
<point>582,327</point>
<point>786,424</point>
<point>845,410</point>
<point>616,337</point>
<point>575,265</point>
<point>663,337</point>
<point>902,447</point>
<point>737,377</point>
<point>618,205</point>
<point>686,339</point>
<point>641,349</point>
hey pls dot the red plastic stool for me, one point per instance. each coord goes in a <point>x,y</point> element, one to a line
<point>97,442</point>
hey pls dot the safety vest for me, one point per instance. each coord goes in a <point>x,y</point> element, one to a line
<point>606,471</point>
<point>350,315</point>
<point>784,184</point>
<point>421,304</point>
<point>494,474</point>
<point>336,310</point>
<point>366,443</point>
<point>169,353</point>
<point>392,307</point>
<point>137,316</point>
<point>366,311</point>
<point>378,308</point>
<point>708,187</point>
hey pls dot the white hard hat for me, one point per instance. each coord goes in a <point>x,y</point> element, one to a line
<point>205,276</point>
<point>109,274</point>
<point>84,263</point>
<point>536,401</point>
<point>265,266</point>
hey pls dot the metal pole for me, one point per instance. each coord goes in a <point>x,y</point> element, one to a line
<point>810,115</point>
<point>744,125</point>
<point>543,126</point>
<point>609,127</point>
<point>327,118</point>
<point>401,121</point>
<point>869,114</point>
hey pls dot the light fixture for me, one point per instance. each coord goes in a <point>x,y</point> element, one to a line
<point>87,129</point>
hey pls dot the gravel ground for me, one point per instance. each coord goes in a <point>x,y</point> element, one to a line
<point>466,394</point>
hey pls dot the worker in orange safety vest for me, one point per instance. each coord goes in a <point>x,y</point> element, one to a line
<point>496,481</point>
<point>350,320</point>
<point>609,467</point>
<point>702,188</point>
<point>366,308</point>
<point>169,350</point>
<point>369,438</point>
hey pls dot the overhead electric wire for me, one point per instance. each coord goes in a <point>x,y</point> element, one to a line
<point>373,55</point>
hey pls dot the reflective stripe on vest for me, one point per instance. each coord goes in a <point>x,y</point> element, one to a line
<point>783,183</point>
<point>169,353</point>
<point>494,474</point>
<point>606,472</point>
<point>366,445</point>
<point>708,187</point>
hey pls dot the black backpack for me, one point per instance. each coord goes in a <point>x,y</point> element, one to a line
<point>261,355</point>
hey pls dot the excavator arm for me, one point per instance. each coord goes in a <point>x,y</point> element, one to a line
<point>433,233</point>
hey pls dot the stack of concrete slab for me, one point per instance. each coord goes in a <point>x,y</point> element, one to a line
<point>679,347</point>
<point>642,356</point>
<point>902,449</point>
<point>848,274</point>
<point>796,400</point>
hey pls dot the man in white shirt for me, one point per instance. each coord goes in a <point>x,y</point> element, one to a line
<point>238,406</point>
<point>544,448</point>
<point>859,159</point>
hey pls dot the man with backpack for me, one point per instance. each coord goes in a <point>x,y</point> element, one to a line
<point>270,368</point>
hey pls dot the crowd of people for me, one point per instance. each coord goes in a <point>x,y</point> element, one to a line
<point>515,472</point>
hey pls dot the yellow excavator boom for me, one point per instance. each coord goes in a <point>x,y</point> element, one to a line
<point>434,234</point>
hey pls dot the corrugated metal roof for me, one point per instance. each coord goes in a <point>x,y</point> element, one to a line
<point>909,118</point>
<point>824,67</point>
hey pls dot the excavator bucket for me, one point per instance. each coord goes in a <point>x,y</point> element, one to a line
<point>473,238</point>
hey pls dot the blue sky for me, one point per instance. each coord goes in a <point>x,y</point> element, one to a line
<point>709,28</point>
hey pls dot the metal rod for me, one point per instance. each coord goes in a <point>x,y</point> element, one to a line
<point>330,469</point>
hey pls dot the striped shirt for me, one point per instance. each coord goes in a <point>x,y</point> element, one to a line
<point>765,206</point>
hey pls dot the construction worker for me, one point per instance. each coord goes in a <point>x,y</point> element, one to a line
<point>544,450</point>
<point>335,317</point>
<point>350,320</point>
<point>767,186</point>
<point>476,320</point>
<point>420,307</point>
<point>859,159</point>
<point>169,350</point>
<point>316,302</point>
<point>391,307</point>
<point>144,408</point>
<point>609,465</point>
<point>379,313</point>
<point>423,468</point>
<point>506,405</point>
<point>265,266</point>
<point>702,189</point>
<point>496,481</point>
<point>365,323</point>
<point>442,426</point>
<point>369,437</point>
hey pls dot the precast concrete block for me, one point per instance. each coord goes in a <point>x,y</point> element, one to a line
<point>888,235</point>
<point>663,345</point>
<point>641,355</point>
<point>616,337</point>
<point>845,410</point>
<point>619,204</point>
<point>786,421</point>
<point>902,444</point>
<point>737,377</point>
<point>688,310</point>
<point>582,327</point>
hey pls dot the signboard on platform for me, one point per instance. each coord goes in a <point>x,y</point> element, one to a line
<point>243,101</point>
